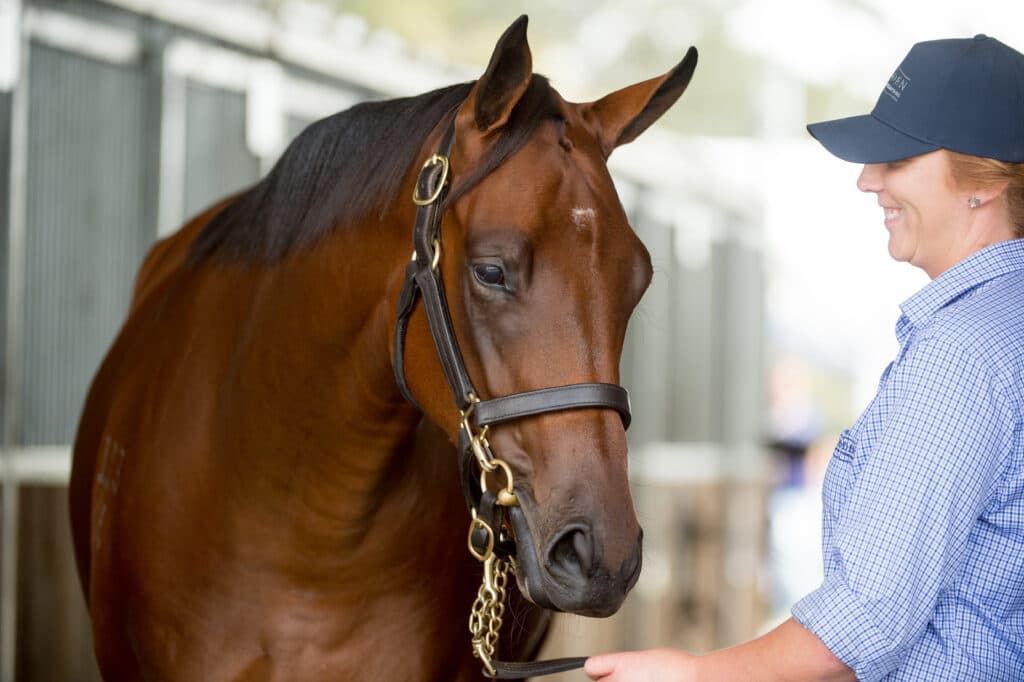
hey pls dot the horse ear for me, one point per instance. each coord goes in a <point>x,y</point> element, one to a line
<point>496,93</point>
<point>626,113</point>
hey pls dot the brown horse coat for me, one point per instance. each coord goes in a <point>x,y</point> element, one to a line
<point>251,497</point>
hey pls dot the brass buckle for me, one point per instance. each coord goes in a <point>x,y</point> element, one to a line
<point>477,523</point>
<point>435,158</point>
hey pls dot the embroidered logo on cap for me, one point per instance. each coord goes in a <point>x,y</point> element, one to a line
<point>897,84</point>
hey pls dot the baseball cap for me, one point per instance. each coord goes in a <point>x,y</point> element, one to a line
<point>965,95</point>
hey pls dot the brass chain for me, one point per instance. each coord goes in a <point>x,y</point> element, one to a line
<point>488,610</point>
<point>489,606</point>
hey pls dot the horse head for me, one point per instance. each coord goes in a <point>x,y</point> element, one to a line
<point>541,273</point>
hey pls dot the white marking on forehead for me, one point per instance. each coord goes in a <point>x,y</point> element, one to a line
<point>583,218</point>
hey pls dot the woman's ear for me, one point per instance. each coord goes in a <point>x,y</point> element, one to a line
<point>987,194</point>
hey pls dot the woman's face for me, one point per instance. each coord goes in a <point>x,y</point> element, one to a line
<point>926,214</point>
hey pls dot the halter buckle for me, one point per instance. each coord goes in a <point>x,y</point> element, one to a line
<point>441,182</point>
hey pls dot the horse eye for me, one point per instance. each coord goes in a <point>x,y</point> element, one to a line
<point>489,274</point>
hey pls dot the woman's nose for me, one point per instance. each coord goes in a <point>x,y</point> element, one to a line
<point>870,179</point>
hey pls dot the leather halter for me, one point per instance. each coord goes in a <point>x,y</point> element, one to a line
<point>423,281</point>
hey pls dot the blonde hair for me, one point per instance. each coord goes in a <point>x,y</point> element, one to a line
<point>979,171</point>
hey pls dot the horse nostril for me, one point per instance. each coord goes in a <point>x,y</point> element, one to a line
<point>584,549</point>
<point>572,552</point>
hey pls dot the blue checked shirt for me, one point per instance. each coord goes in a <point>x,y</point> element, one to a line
<point>923,534</point>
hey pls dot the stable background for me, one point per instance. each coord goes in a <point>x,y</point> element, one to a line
<point>769,319</point>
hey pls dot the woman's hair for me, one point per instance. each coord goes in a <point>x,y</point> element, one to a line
<point>979,171</point>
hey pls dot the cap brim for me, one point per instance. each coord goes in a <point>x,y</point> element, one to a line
<point>865,139</point>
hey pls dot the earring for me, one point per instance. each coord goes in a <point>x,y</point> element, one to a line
<point>974,202</point>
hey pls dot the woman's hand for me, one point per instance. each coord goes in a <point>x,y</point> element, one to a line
<point>654,665</point>
<point>789,652</point>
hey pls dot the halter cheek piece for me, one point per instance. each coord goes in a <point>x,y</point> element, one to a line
<point>489,540</point>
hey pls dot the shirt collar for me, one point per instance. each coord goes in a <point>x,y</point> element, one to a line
<point>988,263</point>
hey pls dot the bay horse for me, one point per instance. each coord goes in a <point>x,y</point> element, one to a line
<point>265,482</point>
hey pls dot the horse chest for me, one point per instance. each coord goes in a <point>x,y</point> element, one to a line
<point>387,639</point>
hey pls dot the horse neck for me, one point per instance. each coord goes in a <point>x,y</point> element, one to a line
<point>326,434</point>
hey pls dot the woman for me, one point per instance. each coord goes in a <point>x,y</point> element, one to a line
<point>924,495</point>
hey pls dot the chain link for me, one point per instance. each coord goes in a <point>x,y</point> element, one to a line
<point>488,610</point>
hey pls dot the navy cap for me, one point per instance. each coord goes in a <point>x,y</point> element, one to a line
<point>966,95</point>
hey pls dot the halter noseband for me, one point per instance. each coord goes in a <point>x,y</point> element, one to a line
<point>488,539</point>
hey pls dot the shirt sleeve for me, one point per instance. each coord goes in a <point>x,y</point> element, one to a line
<point>901,537</point>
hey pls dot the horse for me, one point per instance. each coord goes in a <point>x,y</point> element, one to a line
<point>268,478</point>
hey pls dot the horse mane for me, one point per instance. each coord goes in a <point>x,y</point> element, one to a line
<point>349,166</point>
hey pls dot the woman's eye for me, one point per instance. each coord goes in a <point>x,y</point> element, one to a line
<point>489,274</point>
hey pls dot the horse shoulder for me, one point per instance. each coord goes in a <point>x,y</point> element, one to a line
<point>165,258</point>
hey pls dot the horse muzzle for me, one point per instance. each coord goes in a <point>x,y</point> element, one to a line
<point>570,573</point>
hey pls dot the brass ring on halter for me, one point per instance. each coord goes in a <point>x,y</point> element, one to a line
<point>435,158</point>
<point>435,260</point>
<point>506,496</point>
<point>437,255</point>
<point>473,525</point>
